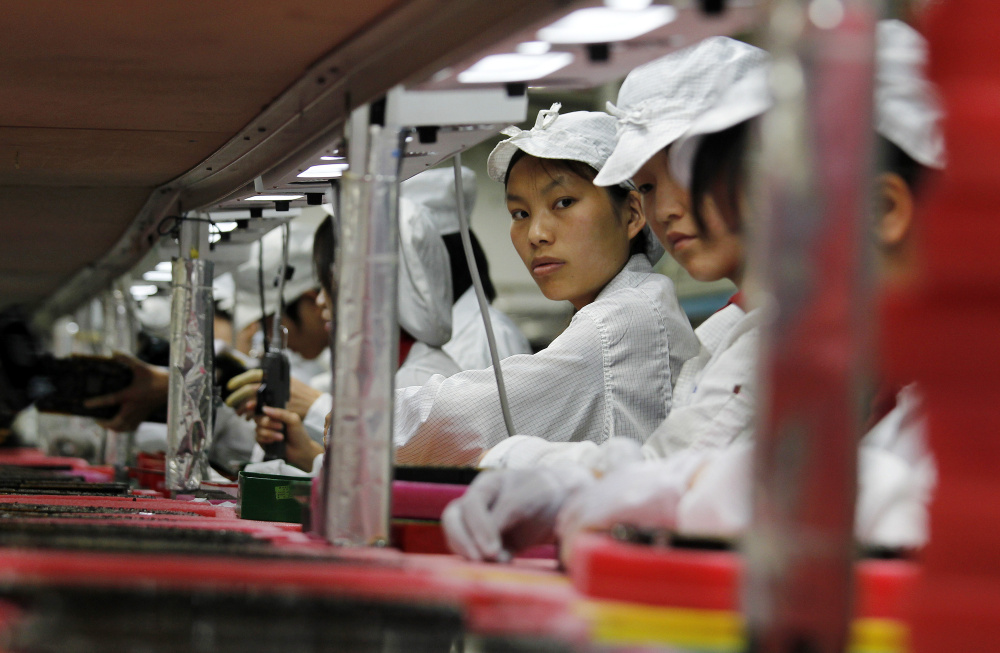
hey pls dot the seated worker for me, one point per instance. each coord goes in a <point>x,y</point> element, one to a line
<point>424,314</point>
<point>611,372</point>
<point>435,191</point>
<point>704,492</point>
<point>257,301</point>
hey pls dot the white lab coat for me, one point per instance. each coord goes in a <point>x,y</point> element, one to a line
<point>713,401</point>
<point>469,346</point>
<point>610,373</point>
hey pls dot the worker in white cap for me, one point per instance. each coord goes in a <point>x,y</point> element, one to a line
<point>257,300</point>
<point>435,191</point>
<point>611,372</point>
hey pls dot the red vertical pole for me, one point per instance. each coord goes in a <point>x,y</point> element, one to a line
<point>944,331</point>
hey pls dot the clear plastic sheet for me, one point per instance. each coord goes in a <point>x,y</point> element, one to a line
<point>189,408</point>
<point>359,453</point>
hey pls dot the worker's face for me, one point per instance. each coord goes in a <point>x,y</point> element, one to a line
<point>709,255</point>
<point>325,305</point>
<point>567,231</point>
<point>307,336</point>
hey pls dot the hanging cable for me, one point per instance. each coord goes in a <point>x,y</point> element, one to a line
<point>484,307</point>
<point>282,276</point>
<point>260,292</point>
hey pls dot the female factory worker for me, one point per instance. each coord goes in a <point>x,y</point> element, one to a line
<point>611,372</point>
<point>689,112</point>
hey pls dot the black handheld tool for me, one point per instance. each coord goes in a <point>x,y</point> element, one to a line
<point>275,390</point>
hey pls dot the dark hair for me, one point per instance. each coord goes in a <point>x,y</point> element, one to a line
<point>461,276</point>
<point>324,241</point>
<point>893,159</point>
<point>718,172</point>
<point>617,194</point>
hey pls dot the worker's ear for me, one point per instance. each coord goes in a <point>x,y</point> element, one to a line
<point>894,219</point>
<point>635,219</point>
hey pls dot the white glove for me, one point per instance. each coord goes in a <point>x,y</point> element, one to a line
<point>506,510</point>
<point>642,494</point>
<point>892,501</point>
<point>718,503</point>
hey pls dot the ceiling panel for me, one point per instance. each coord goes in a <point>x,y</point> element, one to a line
<point>99,157</point>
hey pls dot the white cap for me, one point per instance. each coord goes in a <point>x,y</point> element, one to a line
<point>425,294</point>
<point>907,110</point>
<point>585,136</point>
<point>660,101</point>
<point>435,190</point>
<point>303,279</point>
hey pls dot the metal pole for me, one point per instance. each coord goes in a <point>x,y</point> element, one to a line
<point>798,589</point>
<point>358,463</point>
<point>189,403</point>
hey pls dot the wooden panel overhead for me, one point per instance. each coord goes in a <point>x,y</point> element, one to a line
<point>113,111</point>
<point>106,100</point>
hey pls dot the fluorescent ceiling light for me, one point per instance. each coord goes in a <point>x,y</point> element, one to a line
<point>143,290</point>
<point>324,171</point>
<point>164,266</point>
<point>226,226</point>
<point>606,25</point>
<point>157,275</point>
<point>272,198</point>
<point>332,158</point>
<point>627,5</point>
<point>214,237</point>
<point>514,67</point>
<point>533,47</point>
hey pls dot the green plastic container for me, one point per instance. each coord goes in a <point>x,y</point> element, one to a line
<point>271,497</point>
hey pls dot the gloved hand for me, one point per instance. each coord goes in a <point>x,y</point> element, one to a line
<point>243,394</point>
<point>507,510</point>
<point>640,493</point>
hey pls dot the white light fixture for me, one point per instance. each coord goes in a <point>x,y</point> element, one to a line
<point>226,226</point>
<point>157,275</point>
<point>142,291</point>
<point>324,171</point>
<point>533,47</point>
<point>606,25</point>
<point>332,158</point>
<point>272,198</point>
<point>514,67</point>
<point>214,237</point>
<point>627,5</point>
<point>164,266</point>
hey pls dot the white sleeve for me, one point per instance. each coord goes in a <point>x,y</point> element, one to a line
<point>315,420</point>
<point>719,407</point>
<point>557,394</point>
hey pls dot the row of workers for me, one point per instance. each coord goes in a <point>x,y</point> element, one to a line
<point>629,415</point>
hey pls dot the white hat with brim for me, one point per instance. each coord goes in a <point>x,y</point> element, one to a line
<point>748,98</point>
<point>907,110</point>
<point>585,136</point>
<point>660,101</point>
